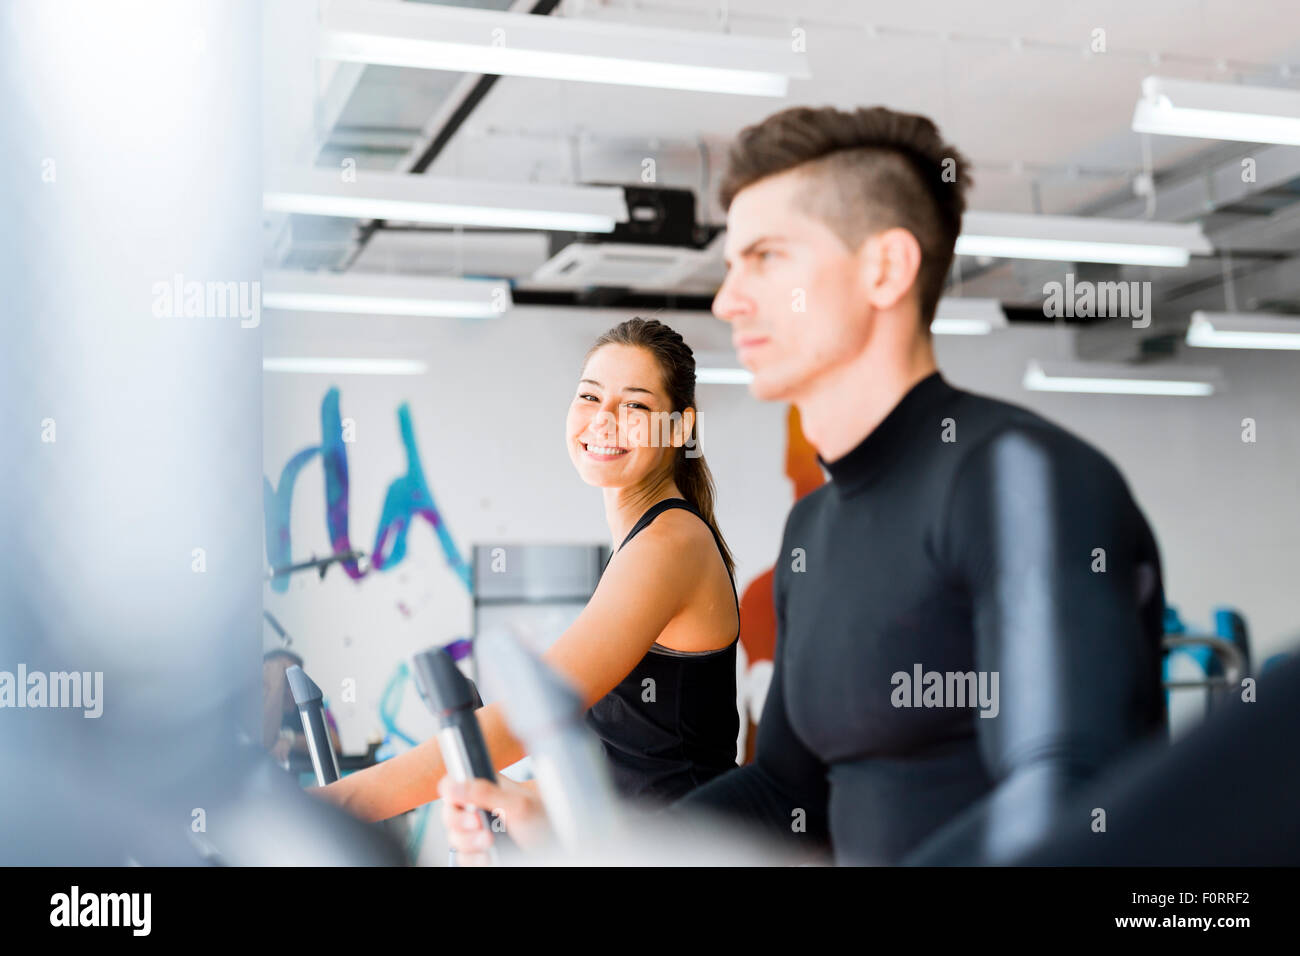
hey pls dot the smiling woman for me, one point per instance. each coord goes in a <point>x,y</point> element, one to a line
<point>653,654</point>
<point>670,723</point>
<point>646,402</point>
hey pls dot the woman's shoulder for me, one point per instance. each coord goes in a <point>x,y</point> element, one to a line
<point>679,542</point>
<point>679,524</point>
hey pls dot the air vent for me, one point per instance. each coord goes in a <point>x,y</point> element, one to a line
<point>582,265</point>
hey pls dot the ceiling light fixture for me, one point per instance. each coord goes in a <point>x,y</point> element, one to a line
<point>957,316</point>
<point>1229,330</point>
<point>1248,114</point>
<point>1117,379</point>
<point>343,366</point>
<point>405,197</point>
<point>441,37</point>
<point>1080,239</point>
<point>383,294</point>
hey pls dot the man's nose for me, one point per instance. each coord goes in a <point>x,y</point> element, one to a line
<point>729,303</point>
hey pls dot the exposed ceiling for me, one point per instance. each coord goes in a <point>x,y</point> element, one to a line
<point>1011,82</point>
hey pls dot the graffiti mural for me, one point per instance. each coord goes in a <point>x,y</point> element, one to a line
<point>408,498</point>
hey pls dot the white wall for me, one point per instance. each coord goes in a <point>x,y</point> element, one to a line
<point>489,423</point>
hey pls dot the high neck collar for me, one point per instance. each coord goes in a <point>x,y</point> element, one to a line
<point>860,466</point>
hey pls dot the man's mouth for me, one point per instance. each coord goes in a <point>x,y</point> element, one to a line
<point>741,343</point>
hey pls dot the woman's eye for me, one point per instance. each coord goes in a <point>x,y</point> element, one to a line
<point>638,405</point>
<point>587,398</point>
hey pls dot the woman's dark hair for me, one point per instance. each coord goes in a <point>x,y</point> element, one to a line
<point>677,366</point>
<point>275,652</point>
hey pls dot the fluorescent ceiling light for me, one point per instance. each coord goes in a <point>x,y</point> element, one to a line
<point>406,197</point>
<point>437,37</point>
<point>719,367</point>
<point>1228,330</point>
<point>1080,239</point>
<point>381,294</point>
<point>344,366</point>
<point>1117,379</point>
<point>968,317</point>
<point>1249,114</point>
<point>723,376</point>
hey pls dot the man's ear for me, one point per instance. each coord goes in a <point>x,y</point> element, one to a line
<point>891,262</point>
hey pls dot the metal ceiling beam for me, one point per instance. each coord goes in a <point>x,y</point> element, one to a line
<point>444,133</point>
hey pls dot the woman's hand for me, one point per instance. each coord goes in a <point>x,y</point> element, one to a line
<point>516,806</point>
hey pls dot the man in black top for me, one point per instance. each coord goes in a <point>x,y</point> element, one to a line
<point>969,612</point>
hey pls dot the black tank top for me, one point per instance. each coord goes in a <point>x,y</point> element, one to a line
<point>671,724</point>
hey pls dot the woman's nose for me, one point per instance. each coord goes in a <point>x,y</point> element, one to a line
<point>604,423</point>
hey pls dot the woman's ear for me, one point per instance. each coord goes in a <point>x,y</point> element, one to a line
<point>684,428</point>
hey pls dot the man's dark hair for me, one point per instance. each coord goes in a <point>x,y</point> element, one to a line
<point>867,170</point>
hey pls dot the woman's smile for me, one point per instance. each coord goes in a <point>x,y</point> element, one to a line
<point>603,452</point>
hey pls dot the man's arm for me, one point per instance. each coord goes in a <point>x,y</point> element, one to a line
<point>1061,572</point>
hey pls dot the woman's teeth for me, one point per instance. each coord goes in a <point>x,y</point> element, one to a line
<point>611,452</point>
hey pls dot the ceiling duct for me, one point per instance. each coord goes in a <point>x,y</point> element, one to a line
<point>660,246</point>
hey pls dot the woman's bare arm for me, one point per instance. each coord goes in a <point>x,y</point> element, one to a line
<point>645,586</point>
<point>411,778</point>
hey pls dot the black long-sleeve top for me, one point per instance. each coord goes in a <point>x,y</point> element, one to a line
<point>963,535</point>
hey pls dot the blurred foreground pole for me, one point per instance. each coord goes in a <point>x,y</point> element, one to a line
<point>130,404</point>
